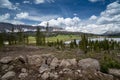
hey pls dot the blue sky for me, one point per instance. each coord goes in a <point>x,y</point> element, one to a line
<point>73,15</point>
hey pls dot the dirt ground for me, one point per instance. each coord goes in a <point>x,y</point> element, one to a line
<point>35,50</point>
<point>24,50</point>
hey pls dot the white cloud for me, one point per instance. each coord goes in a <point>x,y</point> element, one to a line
<point>39,1</point>
<point>22,15</point>
<point>15,22</point>
<point>43,1</point>
<point>93,17</point>
<point>95,0</point>
<point>111,14</point>
<point>26,2</point>
<point>51,1</point>
<point>4,17</point>
<point>108,21</point>
<point>27,16</point>
<point>7,4</point>
<point>62,22</point>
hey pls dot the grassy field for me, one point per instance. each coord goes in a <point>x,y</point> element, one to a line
<point>54,38</point>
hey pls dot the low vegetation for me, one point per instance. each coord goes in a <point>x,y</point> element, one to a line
<point>105,51</point>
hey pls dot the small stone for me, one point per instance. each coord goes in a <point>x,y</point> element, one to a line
<point>8,75</point>
<point>4,67</point>
<point>66,69</point>
<point>45,75</point>
<point>115,72</point>
<point>34,60</point>
<point>61,72</point>
<point>6,60</point>
<point>39,75</point>
<point>10,68</point>
<point>80,75</point>
<point>76,73</point>
<point>23,70</point>
<point>79,71</point>
<point>43,68</point>
<point>22,59</point>
<point>54,75</point>
<point>23,75</point>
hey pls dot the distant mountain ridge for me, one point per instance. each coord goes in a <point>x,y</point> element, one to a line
<point>8,26</point>
<point>111,33</point>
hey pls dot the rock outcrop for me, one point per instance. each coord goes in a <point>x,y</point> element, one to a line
<point>8,75</point>
<point>89,63</point>
<point>6,60</point>
<point>115,72</point>
<point>48,67</point>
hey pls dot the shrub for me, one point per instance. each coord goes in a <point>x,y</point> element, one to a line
<point>109,62</point>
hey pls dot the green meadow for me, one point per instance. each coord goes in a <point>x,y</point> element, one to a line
<point>54,38</point>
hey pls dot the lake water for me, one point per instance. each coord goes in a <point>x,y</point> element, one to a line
<point>101,39</point>
<point>94,39</point>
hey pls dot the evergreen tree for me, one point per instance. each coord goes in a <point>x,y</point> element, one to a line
<point>1,39</point>
<point>40,37</point>
<point>20,34</point>
<point>84,43</point>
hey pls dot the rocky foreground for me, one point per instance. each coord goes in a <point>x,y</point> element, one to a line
<point>48,67</point>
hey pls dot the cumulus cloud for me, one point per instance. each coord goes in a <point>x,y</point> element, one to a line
<point>22,15</point>
<point>109,20</point>
<point>93,17</point>
<point>7,4</point>
<point>6,18</point>
<point>95,0</point>
<point>43,1</point>
<point>111,14</point>
<point>27,16</point>
<point>62,22</point>
<point>26,2</point>
<point>39,1</point>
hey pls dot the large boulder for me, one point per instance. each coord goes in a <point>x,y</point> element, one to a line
<point>89,63</point>
<point>68,62</point>
<point>73,62</point>
<point>64,63</point>
<point>115,72</point>
<point>22,59</point>
<point>44,68</point>
<point>47,58</point>
<point>103,76</point>
<point>6,60</point>
<point>54,63</point>
<point>8,75</point>
<point>34,60</point>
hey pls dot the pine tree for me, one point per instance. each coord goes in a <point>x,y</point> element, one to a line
<point>40,37</point>
<point>20,34</point>
<point>38,42</point>
<point>1,39</point>
<point>84,43</point>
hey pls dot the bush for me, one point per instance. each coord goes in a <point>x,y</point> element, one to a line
<point>109,62</point>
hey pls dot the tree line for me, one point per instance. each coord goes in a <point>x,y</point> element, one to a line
<point>20,38</point>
